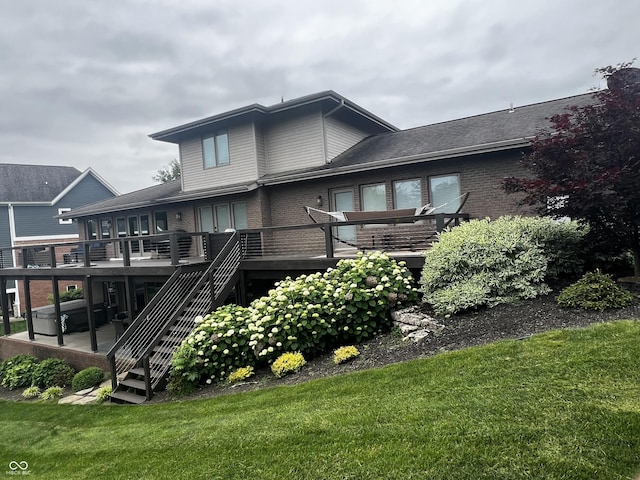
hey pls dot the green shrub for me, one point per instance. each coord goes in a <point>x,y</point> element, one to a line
<point>67,296</point>
<point>87,378</point>
<point>309,314</point>
<point>596,291</point>
<point>51,393</point>
<point>102,395</point>
<point>344,354</point>
<point>483,263</point>
<point>240,374</point>
<point>31,392</point>
<point>288,363</point>
<point>18,371</point>
<point>51,373</point>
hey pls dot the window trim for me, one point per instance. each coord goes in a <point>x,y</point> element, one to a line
<point>362,187</point>
<point>62,221</point>
<point>214,137</point>
<point>437,208</point>
<point>395,196</point>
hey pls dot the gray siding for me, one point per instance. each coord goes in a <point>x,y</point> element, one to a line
<point>340,137</point>
<point>295,141</point>
<point>242,166</point>
<point>5,236</point>
<point>35,221</point>
<point>261,151</point>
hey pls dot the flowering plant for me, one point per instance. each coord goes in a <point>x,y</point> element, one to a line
<point>309,314</point>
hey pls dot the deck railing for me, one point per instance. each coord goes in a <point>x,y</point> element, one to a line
<point>172,246</point>
<point>329,239</point>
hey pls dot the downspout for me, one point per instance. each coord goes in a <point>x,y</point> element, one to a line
<point>324,131</point>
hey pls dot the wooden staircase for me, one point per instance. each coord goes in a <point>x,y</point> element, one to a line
<point>140,360</point>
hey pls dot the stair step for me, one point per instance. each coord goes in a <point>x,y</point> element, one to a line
<point>133,383</point>
<point>127,397</point>
<point>137,371</point>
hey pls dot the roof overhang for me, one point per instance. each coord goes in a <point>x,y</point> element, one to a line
<point>250,112</point>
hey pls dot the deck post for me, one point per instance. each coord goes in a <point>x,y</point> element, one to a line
<point>27,306</point>
<point>173,245</point>
<point>88,295</point>
<point>4,300</point>
<point>56,305</point>
<point>126,255</point>
<point>328,240</point>
<point>52,256</point>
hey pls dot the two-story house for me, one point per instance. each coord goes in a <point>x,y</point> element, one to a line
<point>259,166</point>
<point>254,170</point>
<point>31,196</point>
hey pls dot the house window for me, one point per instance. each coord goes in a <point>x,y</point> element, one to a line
<point>215,150</point>
<point>161,222</point>
<point>407,193</point>
<point>105,227</point>
<point>240,219</point>
<point>71,287</point>
<point>144,224</point>
<point>374,197</point>
<point>223,216</point>
<point>92,229</point>
<point>62,221</point>
<point>444,193</point>
<point>121,226</point>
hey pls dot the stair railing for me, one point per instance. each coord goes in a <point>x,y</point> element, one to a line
<point>222,275</point>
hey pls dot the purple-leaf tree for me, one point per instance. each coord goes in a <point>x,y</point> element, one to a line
<point>586,166</point>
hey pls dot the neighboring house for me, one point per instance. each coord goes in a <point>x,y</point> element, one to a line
<point>258,166</point>
<point>31,196</point>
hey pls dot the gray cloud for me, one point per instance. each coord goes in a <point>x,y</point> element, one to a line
<point>84,83</point>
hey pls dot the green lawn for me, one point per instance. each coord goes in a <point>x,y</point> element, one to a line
<point>18,326</point>
<point>563,405</point>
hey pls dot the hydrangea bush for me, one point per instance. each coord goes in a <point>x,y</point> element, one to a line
<point>309,314</point>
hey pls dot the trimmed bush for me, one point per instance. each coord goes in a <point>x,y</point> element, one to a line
<point>75,294</point>
<point>18,371</point>
<point>87,378</point>
<point>596,291</point>
<point>288,363</point>
<point>309,314</point>
<point>51,373</point>
<point>482,263</point>
<point>240,374</point>
<point>344,354</point>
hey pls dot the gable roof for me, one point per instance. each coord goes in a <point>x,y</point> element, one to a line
<point>495,131</point>
<point>40,184</point>
<point>331,98</point>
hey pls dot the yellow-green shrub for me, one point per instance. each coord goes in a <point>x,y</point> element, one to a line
<point>344,354</point>
<point>288,363</point>
<point>240,374</point>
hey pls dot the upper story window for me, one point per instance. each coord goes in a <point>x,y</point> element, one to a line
<point>407,193</point>
<point>215,149</point>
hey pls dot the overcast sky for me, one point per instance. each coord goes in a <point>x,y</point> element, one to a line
<point>83,83</point>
